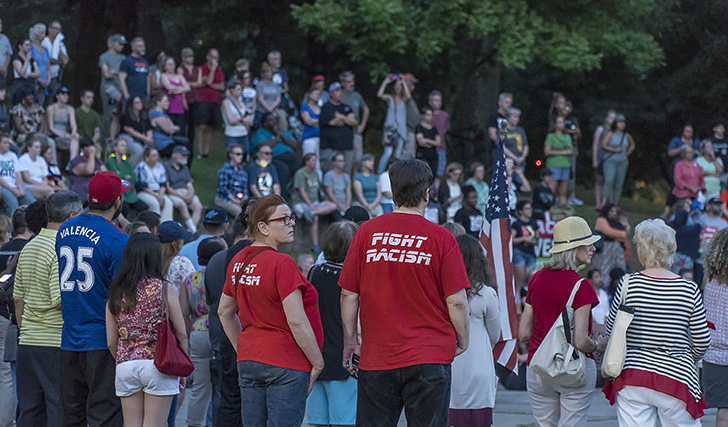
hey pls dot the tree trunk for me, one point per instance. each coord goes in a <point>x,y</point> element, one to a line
<point>91,40</point>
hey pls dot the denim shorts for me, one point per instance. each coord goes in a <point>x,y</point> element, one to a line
<point>521,259</point>
<point>332,402</point>
<point>242,141</point>
<point>560,174</point>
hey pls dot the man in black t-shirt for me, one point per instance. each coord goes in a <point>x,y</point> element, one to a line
<point>505,101</point>
<point>337,122</point>
<point>469,216</point>
<point>428,139</point>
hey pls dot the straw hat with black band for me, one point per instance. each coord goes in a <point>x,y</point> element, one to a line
<point>571,233</point>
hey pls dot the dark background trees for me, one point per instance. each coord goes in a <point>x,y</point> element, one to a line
<point>660,62</point>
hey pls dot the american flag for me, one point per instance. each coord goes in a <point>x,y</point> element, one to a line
<point>496,240</point>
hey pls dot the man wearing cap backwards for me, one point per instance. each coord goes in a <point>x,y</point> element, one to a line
<point>337,122</point>
<point>214,223</point>
<point>89,249</point>
<point>181,189</point>
<point>549,291</point>
<point>109,62</point>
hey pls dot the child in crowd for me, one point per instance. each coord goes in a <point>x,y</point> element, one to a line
<point>543,194</point>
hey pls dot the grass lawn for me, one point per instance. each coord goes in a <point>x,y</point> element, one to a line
<point>204,171</point>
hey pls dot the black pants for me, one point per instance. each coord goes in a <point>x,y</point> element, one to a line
<point>88,393</point>
<point>39,386</point>
<point>286,164</point>
<point>423,391</point>
<point>190,120</point>
<point>226,403</point>
<point>181,121</point>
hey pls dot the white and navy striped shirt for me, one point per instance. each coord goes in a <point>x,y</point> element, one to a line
<point>669,332</point>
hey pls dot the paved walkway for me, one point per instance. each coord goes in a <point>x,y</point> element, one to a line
<point>512,409</point>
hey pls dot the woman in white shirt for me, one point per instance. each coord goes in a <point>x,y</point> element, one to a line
<point>151,174</point>
<point>35,173</point>
<point>237,118</point>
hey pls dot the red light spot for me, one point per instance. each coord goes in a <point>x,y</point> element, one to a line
<point>538,162</point>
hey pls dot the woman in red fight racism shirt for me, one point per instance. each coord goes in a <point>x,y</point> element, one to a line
<point>279,334</point>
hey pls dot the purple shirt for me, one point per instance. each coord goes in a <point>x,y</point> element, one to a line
<point>442,122</point>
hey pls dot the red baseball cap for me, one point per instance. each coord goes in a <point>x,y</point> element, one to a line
<point>106,186</point>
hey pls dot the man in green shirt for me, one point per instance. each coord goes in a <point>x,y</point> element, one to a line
<point>305,198</point>
<point>89,121</point>
<point>37,297</point>
<point>109,63</point>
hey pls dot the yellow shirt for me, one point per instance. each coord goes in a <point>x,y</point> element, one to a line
<point>37,284</point>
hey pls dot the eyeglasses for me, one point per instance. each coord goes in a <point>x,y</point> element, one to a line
<point>237,154</point>
<point>287,220</point>
<point>266,153</point>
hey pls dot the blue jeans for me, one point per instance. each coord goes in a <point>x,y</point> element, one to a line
<point>387,207</point>
<point>614,173</point>
<point>423,391</point>
<point>243,141</point>
<point>396,149</point>
<point>272,395</point>
<point>11,202</point>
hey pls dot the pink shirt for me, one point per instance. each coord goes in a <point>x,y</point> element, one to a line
<point>687,174</point>
<point>176,100</point>
<point>715,299</point>
<point>138,329</point>
<point>442,122</point>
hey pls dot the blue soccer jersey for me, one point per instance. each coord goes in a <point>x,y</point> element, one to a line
<point>89,252</point>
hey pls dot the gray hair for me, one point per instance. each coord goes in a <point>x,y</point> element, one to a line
<point>434,93</point>
<point>565,260</point>
<point>345,75</point>
<point>62,204</point>
<point>504,95</point>
<point>273,53</point>
<point>655,243</point>
<point>513,110</point>
<point>36,29</point>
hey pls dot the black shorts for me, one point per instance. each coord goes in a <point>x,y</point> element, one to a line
<point>208,113</point>
<point>671,199</point>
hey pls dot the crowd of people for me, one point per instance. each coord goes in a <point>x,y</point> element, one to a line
<point>102,214</point>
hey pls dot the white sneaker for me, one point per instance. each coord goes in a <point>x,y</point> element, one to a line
<point>575,202</point>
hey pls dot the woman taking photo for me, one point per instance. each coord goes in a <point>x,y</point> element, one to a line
<point>474,383</point>
<point>310,112</point>
<point>395,123</point>
<point>558,149</point>
<point>333,397</point>
<point>367,193</point>
<point>617,146</point>
<point>153,184</point>
<point>236,116</point>
<point>712,167</point>
<point>548,292</point>
<point>598,155</point>
<point>278,330</point>
<point>133,310</point>
<point>665,341</point>
<point>615,231</point>
<point>715,362</point>
<point>450,193</point>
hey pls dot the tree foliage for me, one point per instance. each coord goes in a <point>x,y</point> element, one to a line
<point>574,35</point>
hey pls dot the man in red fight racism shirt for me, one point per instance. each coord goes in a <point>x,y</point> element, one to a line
<point>408,277</point>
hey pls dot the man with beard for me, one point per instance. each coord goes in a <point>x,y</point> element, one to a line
<point>89,249</point>
<point>181,189</point>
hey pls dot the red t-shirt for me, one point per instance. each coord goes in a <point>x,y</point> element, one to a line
<point>548,293</point>
<point>207,93</point>
<point>261,289</point>
<point>403,267</point>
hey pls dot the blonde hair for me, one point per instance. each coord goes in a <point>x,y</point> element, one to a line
<point>716,259</point>
<point>5,226</point>
<point>655,243</point>
<point>565,260</point>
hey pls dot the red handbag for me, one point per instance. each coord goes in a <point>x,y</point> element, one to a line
<point>169,357</point>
